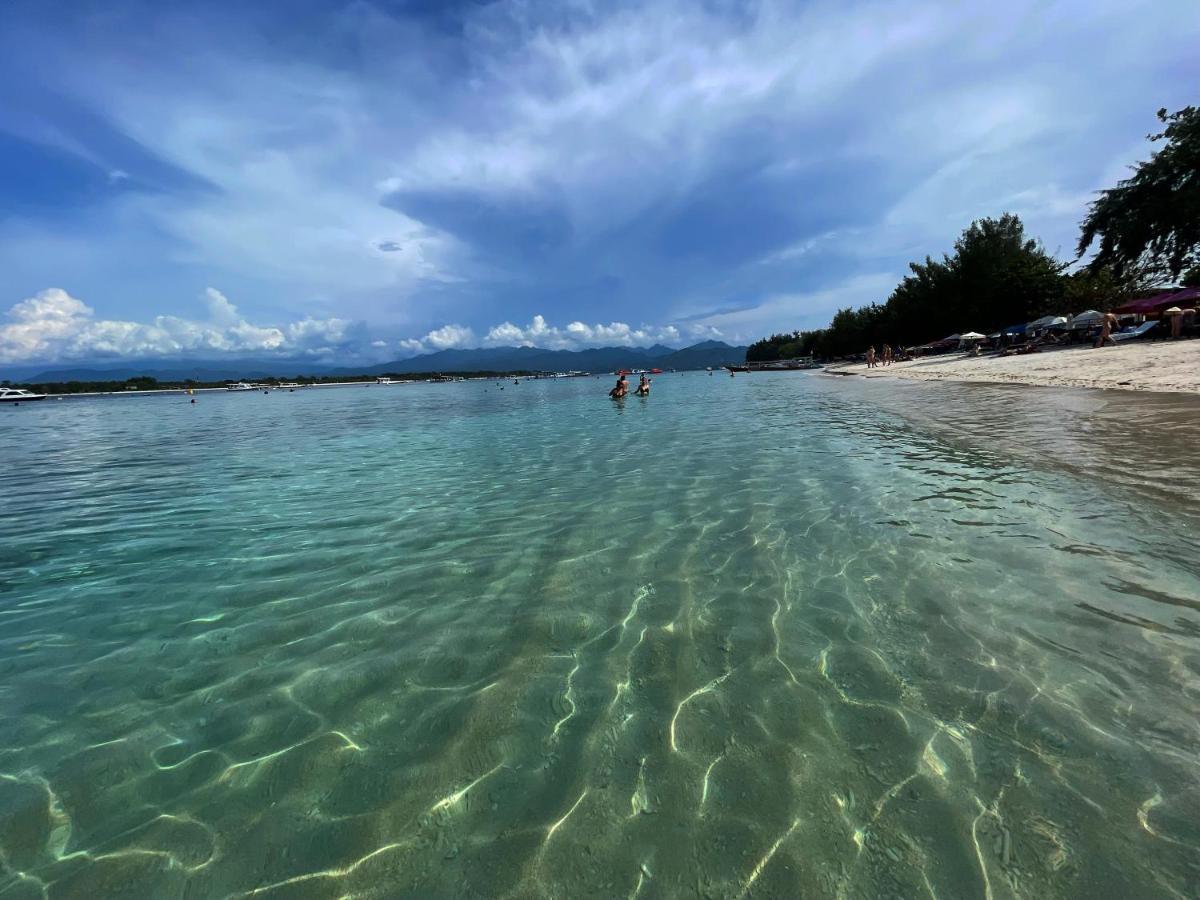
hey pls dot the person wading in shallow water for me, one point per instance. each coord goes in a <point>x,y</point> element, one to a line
<point>643,388</point>
<point>621,389</point>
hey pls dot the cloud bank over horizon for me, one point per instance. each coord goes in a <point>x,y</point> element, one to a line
<point>55,327</point>
<point>429,174</point>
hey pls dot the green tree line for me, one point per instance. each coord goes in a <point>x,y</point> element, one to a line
<point>1147,229</point>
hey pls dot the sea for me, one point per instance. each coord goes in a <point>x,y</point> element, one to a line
<point>774,635</point>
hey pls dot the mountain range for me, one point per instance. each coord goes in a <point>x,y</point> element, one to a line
<point>491,359</point>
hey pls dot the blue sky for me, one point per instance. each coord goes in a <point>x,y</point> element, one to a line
<point>362,181</point>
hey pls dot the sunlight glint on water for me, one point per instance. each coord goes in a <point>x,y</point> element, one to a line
<point>770,636</point>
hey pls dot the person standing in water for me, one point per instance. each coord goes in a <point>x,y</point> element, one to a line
<point>643,388</point>
<point>621,389</point>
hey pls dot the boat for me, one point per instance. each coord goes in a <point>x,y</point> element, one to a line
<point>240,386</point>
<point>738,368</point>
<point>18,395</point>
<point>656,371</point>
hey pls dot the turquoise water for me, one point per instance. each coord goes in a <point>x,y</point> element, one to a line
<point>765,636</point>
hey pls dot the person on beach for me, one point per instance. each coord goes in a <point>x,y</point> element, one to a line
<point>621,389</point>
<point>1176,326</point>
<point>1106,330</point>
<point>887,354</point>
<point>643,388</point>
<point>871,357</point>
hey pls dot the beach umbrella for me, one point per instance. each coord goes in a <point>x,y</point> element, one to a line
<point>1173,311</point>
<point>1047,321</point>
<point>971,336</point>
<point>1087,317</point>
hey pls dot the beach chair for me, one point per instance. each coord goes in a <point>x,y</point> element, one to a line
<point>1141,331</point>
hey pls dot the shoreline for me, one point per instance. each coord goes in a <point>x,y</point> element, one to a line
<point>1159,367</point>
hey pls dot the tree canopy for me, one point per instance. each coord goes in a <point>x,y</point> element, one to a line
<point>996,276</point>
<point>1148,229</point>
<point>1151,221</point>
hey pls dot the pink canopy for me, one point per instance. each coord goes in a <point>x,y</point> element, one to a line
<point>1154,305</point>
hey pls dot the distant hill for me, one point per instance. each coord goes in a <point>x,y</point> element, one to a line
<point>491,359</point>
<point>600,359</point>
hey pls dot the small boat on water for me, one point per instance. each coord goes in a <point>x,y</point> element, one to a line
<point>240,386</point>
<point>18,395</point>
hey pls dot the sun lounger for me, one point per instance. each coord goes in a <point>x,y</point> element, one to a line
<point>1135,333</point>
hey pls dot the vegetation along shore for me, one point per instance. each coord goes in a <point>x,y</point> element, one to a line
<point>1140,238</point>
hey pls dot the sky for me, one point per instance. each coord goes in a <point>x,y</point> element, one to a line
<point>364,181</point>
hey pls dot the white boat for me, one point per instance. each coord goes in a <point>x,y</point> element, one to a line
<point>240,386</point>
<point>17,395</point>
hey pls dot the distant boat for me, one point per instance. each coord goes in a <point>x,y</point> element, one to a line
<point>656,371</point>
<point>240,386</point>
<point>738,368</point>
<point>17,395</point>
<point>383,380</point>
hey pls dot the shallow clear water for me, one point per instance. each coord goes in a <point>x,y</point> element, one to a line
<point>769,636</point>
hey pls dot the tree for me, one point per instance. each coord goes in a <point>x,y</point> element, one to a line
<point>1152,218</point>
<point>1100,289</point>
<point>997,276</point>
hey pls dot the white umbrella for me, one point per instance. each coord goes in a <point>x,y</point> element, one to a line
<point>971,336</point>
<point>1173,311</point>
<point>1087,317</point>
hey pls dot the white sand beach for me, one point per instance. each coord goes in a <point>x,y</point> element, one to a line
<point>1171,366</point>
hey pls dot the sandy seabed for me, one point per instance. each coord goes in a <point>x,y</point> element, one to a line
<point>1172,366</point>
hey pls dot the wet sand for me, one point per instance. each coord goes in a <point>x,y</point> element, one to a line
<point>1169,366</point>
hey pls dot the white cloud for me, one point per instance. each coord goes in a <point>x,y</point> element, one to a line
<point>609,116</point>
<point>573,336</point>
<point>445,338</point>
<point>538,333</point>
<point>54,326</point>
